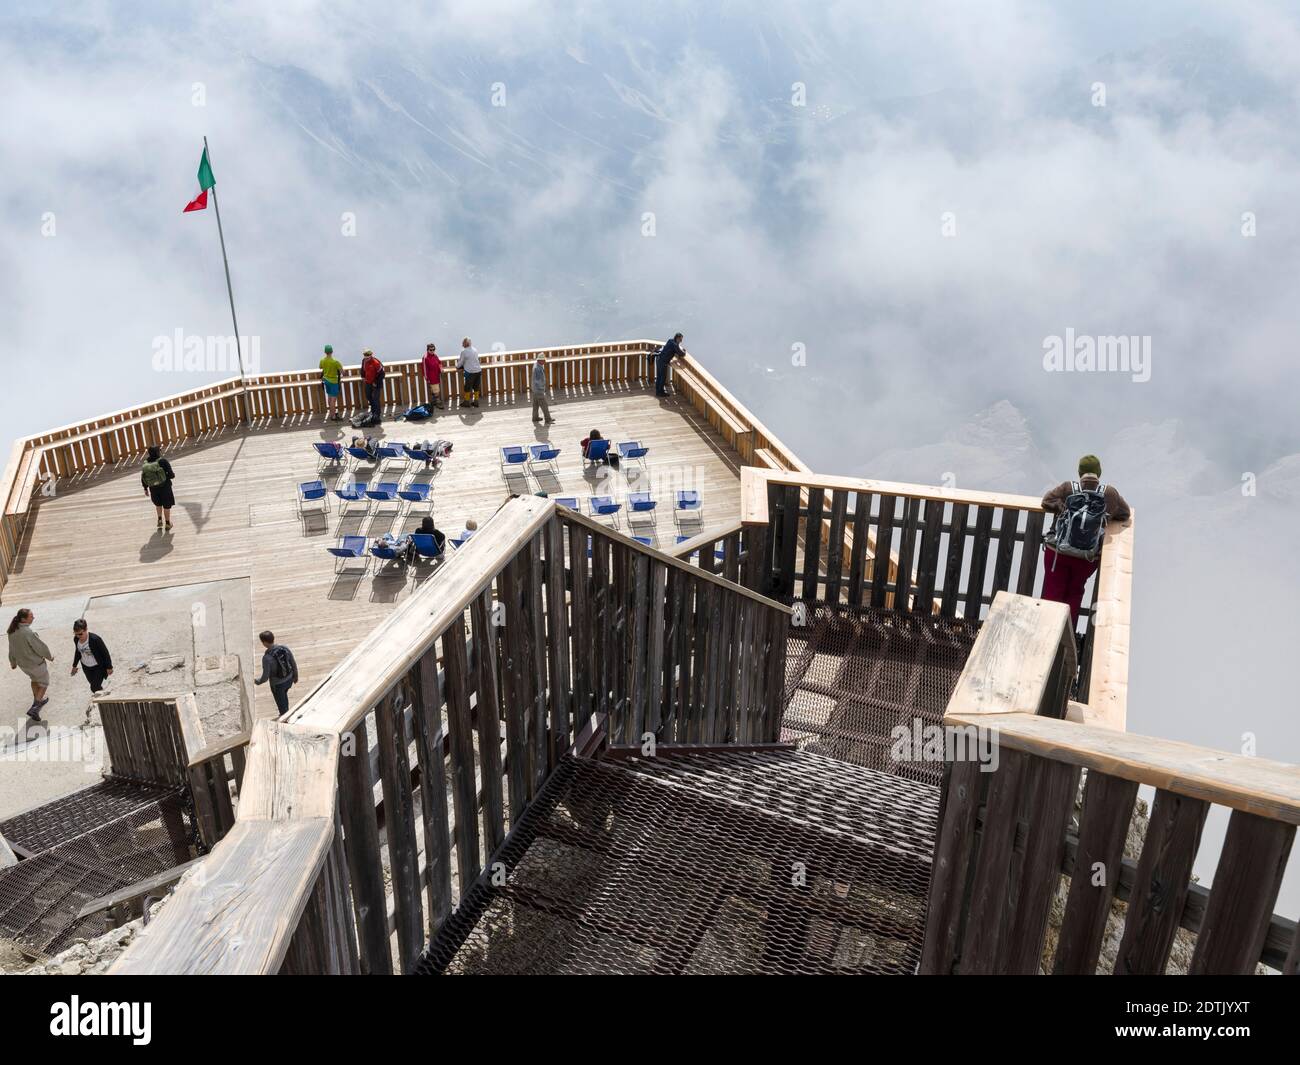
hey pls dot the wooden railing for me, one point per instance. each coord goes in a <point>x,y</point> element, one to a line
<point>162,741</point>
<point>38,463</point>
<point>1005,827</point>
<point>950,552</point>
<point>546,627</point>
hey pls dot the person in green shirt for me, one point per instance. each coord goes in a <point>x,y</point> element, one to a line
<point>331,371</point>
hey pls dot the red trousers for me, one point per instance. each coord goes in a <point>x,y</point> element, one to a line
<point>1063,579</point>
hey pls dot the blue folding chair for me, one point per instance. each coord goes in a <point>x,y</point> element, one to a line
<point>313,492</point>
<point>689,508</point>
<point>567,501</point>
<point>415,493</point>
<point>361,455</point>
<point>389,554</point>
<point>632,451</point>
<point>391,452</point>
<point>384,492</point>
<point>544,455</point>
<point>355,493</point>
<point>426,546</point>
<point>415,454</point>
<point>719,553</point>
<point>644,540</point>
<point>604,506</point>
<point>351,547</point>
<point>513,456</point>
<point>597,452</point>
<point>464,538</point>
<point>331,454</point>
<point>640,509</point>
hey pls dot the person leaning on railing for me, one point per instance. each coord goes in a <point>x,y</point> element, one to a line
<point>471,368</point>
<point>1064,575</point>
<point>331,372</point>
<point>672,349</point>
<point>433,373</point>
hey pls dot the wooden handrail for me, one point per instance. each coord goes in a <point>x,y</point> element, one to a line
<point>277,886</point>
<point>1254,785</point>
<point>1107,674</point>
<point>1009,815</point>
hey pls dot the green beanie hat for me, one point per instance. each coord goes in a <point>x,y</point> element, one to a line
<point>329,349</point>
<point>1090,464</point>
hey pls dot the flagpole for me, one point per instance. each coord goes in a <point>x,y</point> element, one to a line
<point>230,292</point>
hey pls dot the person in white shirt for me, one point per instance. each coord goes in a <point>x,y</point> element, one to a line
<point>90,653</point>
<point>471,369</point>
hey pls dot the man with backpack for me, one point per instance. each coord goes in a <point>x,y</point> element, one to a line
<point>372,371</point>
<point>1072,546</point>
<point>278,667</point>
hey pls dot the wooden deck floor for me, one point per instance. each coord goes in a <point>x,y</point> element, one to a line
<point>237,516</point>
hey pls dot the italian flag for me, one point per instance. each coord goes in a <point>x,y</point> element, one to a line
<point>206,181</point>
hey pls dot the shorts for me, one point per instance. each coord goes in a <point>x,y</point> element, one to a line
<point>331,388</point>
<point>40,674</point>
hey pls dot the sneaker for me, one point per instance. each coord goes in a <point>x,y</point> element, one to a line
<point>34,712</point>
<point>168,526</point>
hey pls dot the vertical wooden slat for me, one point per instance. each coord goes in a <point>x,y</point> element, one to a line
<point>858,563</point>
<point>835,546</point>
<point>399,827</point>
<point>427,716</point>
<point>812,546</point>
<point>464,794</point>
<point>974,597</point>
<point>1006,549</point>
<point>1047,808</point>
<point>993,868</point>
<point>557,619</point>
<point>906,549</point>
<point>954,845</point>
<point>1103,827</point>
<point>487,716</point>
<point>1243,894</point>
<point>1030,552</point>
<point>1164,873</point>
<point>927,565</point>
<point>884,545</point>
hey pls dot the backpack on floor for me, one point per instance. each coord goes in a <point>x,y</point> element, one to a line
<point>416,414</point>
<point>1078,529</point>
<point>153,474</point>
<point>364,421</point>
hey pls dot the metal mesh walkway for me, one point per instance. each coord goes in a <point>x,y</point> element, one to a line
<point>86,845</point>
<point>736,862</point>
<point>854,675</point>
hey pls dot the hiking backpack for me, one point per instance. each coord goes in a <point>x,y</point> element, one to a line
<point>153,474</point>
<point>1078,529</point>
<point>281,670</point>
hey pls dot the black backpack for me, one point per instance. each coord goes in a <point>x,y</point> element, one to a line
<point>1078,529</point>
<point>281,667</point>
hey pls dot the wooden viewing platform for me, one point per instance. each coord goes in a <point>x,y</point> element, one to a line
<point>556,694</point>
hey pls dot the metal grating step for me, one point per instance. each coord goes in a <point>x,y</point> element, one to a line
<point>737,862</point>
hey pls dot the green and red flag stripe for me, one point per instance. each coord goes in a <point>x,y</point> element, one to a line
<point>206,181</point>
